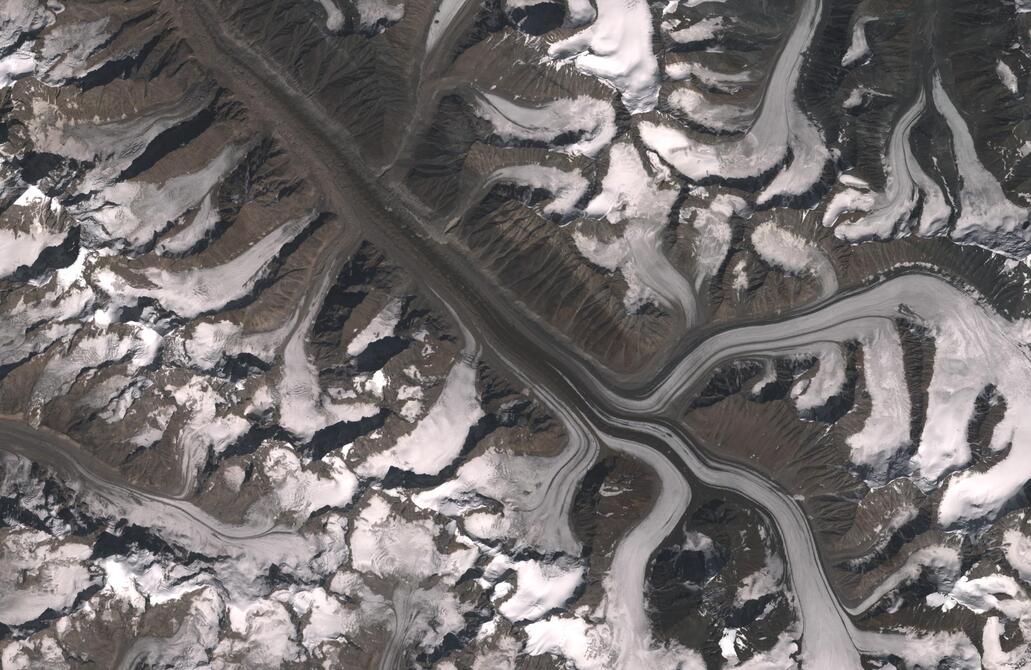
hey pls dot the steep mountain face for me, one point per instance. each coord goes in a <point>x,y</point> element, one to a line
<point>390,333</point>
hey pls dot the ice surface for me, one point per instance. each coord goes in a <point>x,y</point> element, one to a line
<point>381,326</point>
<point>886,430</point>
<point>593,119</point>
<point>858,50</point>
<point>827,382</point>
<point>922,650</point>
<point>765,581</point>
<point>21,17</point>
<point>137,346</point>
<point>522,484</point>
<point>386,545</point>
<point>374,12</point>
<point>712,224</point>
<point>981,594</point>
<point>334,17</point>
<point>304,408</point>
<point>795,255</point>
<point>619,634</point>
<point>67,49</point>
<point>33,653</point>
<point>207,429</point>
<point>986,216</point>
<point>1017,547</point>
<point>709,78</point>
<point>16,65</point>
<point>302,491</point>
<point>204,221</point>
<point>994,658</point>
<point>197,290</point>
<point>907,186</point>
<point>137,211</point>
<point>941,565</point>
<point>629,191</point>
<point>780,126</point>
<point>566,188</point>
<point>642,201</point>
<point>447,10</point>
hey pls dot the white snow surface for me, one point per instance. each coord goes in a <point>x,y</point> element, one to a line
<point>18,247</point>
<point>629,191</point>
<point>447,10</point>
<point>38,573</point>
<point>134,344</point>
<point>941,564</point>
<point>765,581</point>
<point>740,275</point>
<point>1017,547</point>
<point>540,588</point>
<point>981,594</point>
<point>709,78</point>
<point>921,650</point>
<point>702,30</point>
<point>994,658</point>
<point>617,49</point>
<point>591,646</point>
<point>206,428</point>
<point>522,484</point>
<point>716,117</point>
<point>135,212</point>
<point>67,49</point>
<point>1006,76</point>
<point>204,221</point>
<point>389,546</point>
<point>437,440</point>
<point>975,348</point>
<point>304,408</point>
<point>34,653</point>
<point>302,491</point>
<point>374,12</point>
<point>16,65</point>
